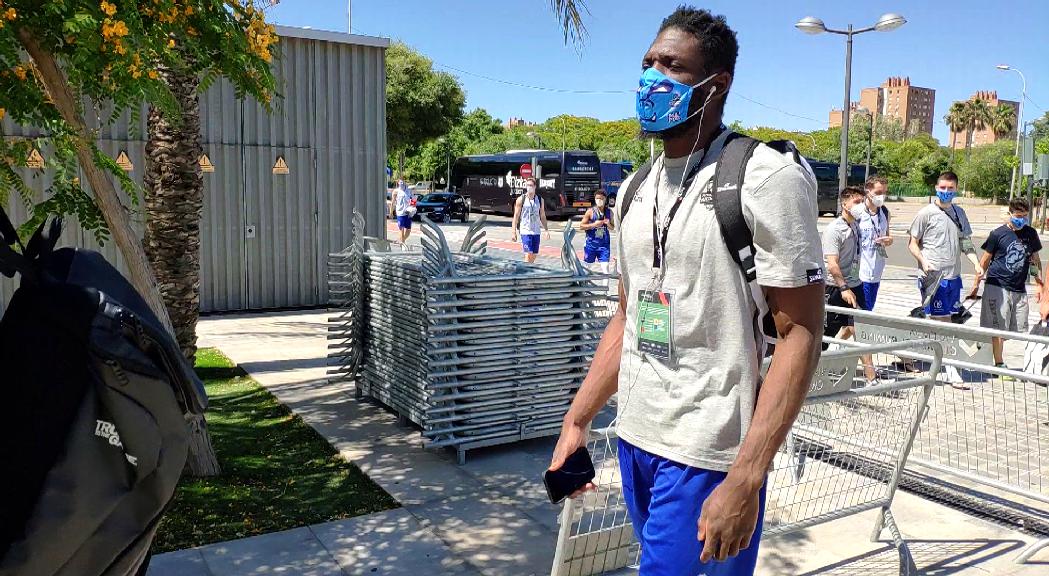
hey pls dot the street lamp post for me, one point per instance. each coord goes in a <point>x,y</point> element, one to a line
<point>538,138</point>
<point>1019,123</point>
<point>811,25</point>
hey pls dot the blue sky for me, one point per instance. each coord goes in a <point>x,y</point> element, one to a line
<point>951,46</point>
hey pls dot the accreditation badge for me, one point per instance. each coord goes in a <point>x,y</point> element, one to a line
<point>655,324</point>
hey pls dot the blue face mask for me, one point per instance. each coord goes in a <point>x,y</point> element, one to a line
<point>1018,222</point>
<point>945,196</point>
<point>662,102</point>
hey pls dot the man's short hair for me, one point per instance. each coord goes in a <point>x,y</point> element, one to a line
<point>528,181</point>
<point>1019,204</point>
<point>949,176</point>
<point>874,181</point>
<point>850,192</point>
<point>601,192</point>
<point>716,40</point>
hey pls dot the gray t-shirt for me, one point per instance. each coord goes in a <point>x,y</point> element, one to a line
<point>697,411</point>
<point>939,238</point>
<point>842,240</point>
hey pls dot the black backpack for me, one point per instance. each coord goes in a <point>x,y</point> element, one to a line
<point>95,438</point>
<point>728,209</point>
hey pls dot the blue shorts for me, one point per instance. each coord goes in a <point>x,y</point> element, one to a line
<point>404,222</point>
<point>664,499</point>
<point>947,299</point>
<point>870,294</point>
<point>593,254</point>
<point>530,243</point>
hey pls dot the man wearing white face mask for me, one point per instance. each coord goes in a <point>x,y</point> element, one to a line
<point>598,224</point>
<point>529,216</point>
<point>841,251</point>
<point>874,238</point>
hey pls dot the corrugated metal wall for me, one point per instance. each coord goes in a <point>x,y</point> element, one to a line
<point>265,236</point>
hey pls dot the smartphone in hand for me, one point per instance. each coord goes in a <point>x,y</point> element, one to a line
<point>576,472</point>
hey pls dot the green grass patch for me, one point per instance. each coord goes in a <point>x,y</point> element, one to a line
<point>277,472</point>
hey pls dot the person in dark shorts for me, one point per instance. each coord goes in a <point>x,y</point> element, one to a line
<point>841,255</point>
<point>1009,253</point>
<point>598,224</point>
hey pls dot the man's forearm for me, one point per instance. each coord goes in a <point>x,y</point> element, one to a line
<point>779,402</point>
<point>916,251</point>
<point>835,273</point>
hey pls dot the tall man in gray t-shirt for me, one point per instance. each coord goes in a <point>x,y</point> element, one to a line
<point>683,350</point>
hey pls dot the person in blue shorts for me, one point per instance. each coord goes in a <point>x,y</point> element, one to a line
<point>402,208</point>
<point>598,224</point>
<point>940,234</point>
<point>697,435</point>
<point>529,216</point>
<point>874,238</point>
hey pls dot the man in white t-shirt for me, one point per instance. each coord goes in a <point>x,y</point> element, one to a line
<point>529,217</point>
<point>874,238</point>
<point>683,351</point>
<point>402,208</point>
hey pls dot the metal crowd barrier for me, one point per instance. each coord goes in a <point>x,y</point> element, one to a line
<point>475,350</point>
<point>843,456</point>
<point>995,433</point>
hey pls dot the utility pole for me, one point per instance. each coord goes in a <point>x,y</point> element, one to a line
<point>349,16</point>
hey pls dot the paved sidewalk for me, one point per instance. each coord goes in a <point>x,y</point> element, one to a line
<point>490,516</point>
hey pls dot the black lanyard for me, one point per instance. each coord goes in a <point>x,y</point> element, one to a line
<point>659,238</point>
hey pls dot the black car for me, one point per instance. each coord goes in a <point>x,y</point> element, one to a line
<point>827,184</point>
<point>443,207</point>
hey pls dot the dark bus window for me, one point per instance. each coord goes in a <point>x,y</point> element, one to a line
<point>581,165</point>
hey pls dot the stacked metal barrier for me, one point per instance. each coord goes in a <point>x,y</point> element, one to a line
<point>843,456</point>
<point>345,285</point>
<point>476,350</point>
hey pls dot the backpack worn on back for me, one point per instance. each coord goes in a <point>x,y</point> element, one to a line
<point>95,436</point>
<point>728,209</point>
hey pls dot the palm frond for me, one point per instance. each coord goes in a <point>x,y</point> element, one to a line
<point>570,15</point>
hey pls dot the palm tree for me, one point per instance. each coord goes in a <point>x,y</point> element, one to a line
<point>957,119</point>
<point>570,15</point>
<point>1001,121</point>
<point>979,117</point>
<point>174,195</point>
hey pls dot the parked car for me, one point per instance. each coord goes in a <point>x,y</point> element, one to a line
<point>443,207</point>
<point>421,187</point>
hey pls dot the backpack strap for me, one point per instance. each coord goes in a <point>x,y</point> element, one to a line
<point>728,202</point>
<point>631,189</point>
<point>728,209</point>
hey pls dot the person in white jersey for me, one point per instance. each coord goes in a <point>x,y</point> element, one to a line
<point>874,238</point>
<point>529,216</point>
<point>402,209</point>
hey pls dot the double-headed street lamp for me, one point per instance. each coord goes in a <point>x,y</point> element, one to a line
<point>811,25</point>
<point>1019,123</point>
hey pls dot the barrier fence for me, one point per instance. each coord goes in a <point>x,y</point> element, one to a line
<point>843,456</point>
<point>990,426</point>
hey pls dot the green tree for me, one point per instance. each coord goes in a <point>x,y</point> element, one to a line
<point>421,104</point>
<point>987,171</point>
<point>54,55</point>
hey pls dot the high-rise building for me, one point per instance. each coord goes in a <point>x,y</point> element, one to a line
<point>896,98</point>
<point>987,135</point>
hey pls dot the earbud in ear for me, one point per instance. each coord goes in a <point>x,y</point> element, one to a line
<point>713,89</point>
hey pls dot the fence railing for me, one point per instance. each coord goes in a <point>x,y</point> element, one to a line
<point>843,456</point>
<point>990,426</point>
<point>908,190</point>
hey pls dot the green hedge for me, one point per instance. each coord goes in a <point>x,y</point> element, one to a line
<point>908,190</point>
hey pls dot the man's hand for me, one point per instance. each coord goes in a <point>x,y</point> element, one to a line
<point>573,436</point>
<point>884,241</point>
<point>547,231</point>
<point>849,297</point>
<point>926,267</point>
<point>728,520</point>
<point>513,237</point>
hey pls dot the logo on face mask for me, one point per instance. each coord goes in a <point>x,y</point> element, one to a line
<point>945,196</point>
<point>662,102</point>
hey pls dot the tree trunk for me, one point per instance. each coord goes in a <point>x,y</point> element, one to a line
<point>116,216</point>
<point>109,203</point>
<point>174,202</point>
